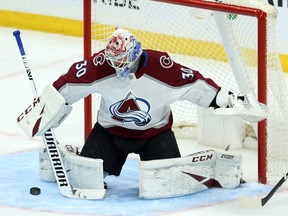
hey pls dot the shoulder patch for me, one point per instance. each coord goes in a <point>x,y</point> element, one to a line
<point>166,61</point>
<point>99,59</point>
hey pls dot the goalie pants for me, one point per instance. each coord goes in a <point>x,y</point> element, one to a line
<point>113,150</point>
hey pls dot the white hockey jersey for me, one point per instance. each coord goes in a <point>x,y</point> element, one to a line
<point>137,107</point>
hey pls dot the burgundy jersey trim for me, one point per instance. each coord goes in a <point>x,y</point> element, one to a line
<point>165,70</point>
<point>86,71</point>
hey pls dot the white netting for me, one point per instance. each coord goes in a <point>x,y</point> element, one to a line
<point>192,38</point>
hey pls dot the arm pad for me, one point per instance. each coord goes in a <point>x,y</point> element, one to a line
<point>47,111</point>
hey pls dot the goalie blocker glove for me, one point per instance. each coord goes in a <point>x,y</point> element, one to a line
<point>47,111</point>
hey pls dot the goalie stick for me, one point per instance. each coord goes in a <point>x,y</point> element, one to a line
<point>51,145</point>
<point>258,202</point>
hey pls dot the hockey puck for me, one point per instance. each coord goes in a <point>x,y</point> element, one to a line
<point>35,191</point>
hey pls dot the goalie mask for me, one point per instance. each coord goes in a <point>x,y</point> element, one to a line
<point>122,51</point>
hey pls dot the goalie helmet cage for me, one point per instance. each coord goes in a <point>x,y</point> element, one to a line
<point>216,38</point>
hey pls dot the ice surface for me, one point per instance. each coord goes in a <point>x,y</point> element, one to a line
<point>49,56</point>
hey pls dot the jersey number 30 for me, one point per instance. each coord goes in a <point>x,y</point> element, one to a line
<point>81,68</point>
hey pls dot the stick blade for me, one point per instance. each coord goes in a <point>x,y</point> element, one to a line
<point>89,194</point>
<point>252,202</point>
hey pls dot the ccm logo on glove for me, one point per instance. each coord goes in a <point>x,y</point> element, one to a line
<point>28,109</point>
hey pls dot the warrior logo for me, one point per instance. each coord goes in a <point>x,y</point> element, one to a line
<point>131,109</point>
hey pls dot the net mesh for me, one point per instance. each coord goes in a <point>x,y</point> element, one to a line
<point>191,37</point>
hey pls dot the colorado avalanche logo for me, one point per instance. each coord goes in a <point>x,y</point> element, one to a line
<point>166,62</point>
<point>99,59</point>
<point>131,109</point>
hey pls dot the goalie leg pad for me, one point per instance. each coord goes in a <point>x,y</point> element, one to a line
<point>46,170</point>
<point>177,176</point>
<point>190,174</point>
<point>228,170</point>
<point>82,172</point>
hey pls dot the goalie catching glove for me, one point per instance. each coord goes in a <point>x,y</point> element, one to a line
<point>244,106</point>
<point>47,111</point>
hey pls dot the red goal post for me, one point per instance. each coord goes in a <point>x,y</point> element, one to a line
<point>261,56</point>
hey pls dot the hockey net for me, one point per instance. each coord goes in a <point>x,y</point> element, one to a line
<point>216,38</point>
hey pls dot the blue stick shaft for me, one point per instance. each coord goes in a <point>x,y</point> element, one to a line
<point>25,62</point>
<point>19,42</point>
